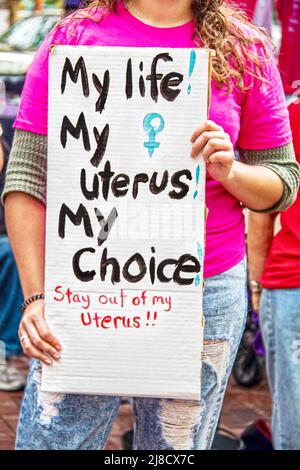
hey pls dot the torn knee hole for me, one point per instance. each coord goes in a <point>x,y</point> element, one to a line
<point>216,353</point>
<point>50,405</point>
<point>48,402</point>
<point>178,419</point>
<point>37,374</point>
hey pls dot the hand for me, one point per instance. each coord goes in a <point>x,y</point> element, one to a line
<point>217,149</point>
<point>39,342</point>
<point>255,300</point>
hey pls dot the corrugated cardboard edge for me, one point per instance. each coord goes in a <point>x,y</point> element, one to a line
<point>51,48</point>
<point>211,54</point>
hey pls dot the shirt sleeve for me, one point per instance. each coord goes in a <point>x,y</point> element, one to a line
<point>264,119</point>
<point>282,161</point>
<point>27,165</point>
<point>33,110</point>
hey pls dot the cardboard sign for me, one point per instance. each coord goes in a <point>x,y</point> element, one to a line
<point>125,220</point>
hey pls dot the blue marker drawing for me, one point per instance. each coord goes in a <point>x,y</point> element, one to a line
<point>200,251</point>
<point>152,131</point>
<point>197,180</point>
<point>192,66</point>
<point>200,256</point>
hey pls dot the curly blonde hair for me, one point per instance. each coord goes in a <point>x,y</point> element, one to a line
<point>220,26</point>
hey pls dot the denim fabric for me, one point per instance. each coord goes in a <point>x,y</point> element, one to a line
<point>59,421</point>
<point>280,322</point>
<point>11,299</point>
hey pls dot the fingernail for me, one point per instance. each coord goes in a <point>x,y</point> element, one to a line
<point>58,347</point>
<point>48,362</point>
<point>56,356</point>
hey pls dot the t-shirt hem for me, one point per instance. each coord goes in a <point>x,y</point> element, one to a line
<point>277,285</point>
<point>27,126</point>
<point>284,140</point>
<point>221,268</point>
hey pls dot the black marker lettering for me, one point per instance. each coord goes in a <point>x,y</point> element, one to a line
<point>101,140</point>
<point>76,218</point>
<point>75,131</point>
<point>73,73</point>
<point>102,90</point>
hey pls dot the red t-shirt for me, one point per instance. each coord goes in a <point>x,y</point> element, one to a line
<point>289,64</point>
<point>283,266</point>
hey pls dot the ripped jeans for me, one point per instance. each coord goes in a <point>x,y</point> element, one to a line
<point>63,421</point>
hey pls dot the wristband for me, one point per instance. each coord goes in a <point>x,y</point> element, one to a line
<point>256,287</point>
<point>29,301</point>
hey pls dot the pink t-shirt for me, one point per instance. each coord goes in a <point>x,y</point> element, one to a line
<point>255,119</point>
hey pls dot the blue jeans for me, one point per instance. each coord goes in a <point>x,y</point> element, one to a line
<point>60,421</point>
<point>10,299</point>
<point>280,322</point>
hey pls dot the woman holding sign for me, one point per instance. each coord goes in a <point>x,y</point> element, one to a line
<point>247,113</point>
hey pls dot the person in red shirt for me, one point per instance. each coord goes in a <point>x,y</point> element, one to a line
<point>289,63</point>
<point>274,270</point>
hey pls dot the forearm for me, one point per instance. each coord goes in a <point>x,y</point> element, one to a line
<point>25,217</point>
<point>24,196</point>
<point>257,187</point>
<point>264,180</point>
<point>259,240</point>
<point>283,164</point>
<point>25,220</point>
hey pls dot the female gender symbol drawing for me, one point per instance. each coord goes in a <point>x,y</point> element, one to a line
<point>152,130</point>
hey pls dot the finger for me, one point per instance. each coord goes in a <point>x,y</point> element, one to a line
<point>45,333</point>
<point>216,145</point>
<point>39,343</point>
<point>221,157</point>
<point>206,126</point>
<point>204,138</point>
<point>30,350</point>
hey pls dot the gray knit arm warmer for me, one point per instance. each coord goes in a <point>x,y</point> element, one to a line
<point>27,165</point>
<point>283,162</point>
